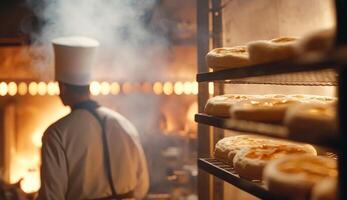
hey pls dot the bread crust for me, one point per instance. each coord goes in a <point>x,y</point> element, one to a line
<point>291,174</point>
<point>263,51</point>
<point>227,57</point>
<point>220,105</point>
<point>312,120</point>
<point>269,110</point>
<point>249,163</point>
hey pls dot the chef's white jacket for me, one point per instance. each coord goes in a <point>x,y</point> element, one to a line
<point>72,158</point>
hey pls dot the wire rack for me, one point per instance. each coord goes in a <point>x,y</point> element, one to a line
<point>310,78</point>
<point>264,129</point>
<point>307,70</point>
<point>228,174</point>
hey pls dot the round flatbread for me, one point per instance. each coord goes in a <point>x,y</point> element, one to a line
<point>269,110</point>
<point>264,51</point>
<point>227,57</point>
<point>312,120</point>
<point>220,105</point>
<point>227,147</point>
<point>249,163</point>
<point>296,175</point>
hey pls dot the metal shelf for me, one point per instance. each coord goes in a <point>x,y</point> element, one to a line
<point>270,130</point>
<point>227,173</point>
<point>311,69</point>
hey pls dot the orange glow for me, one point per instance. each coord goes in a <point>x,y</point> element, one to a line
<point>191,126</point>
<point>12,88</point>
<point>146,87</point>
<point>127,87</point>
<point>168,88</point>
<point>3,89</point>
<point>25,162</point>
<point>157,88</point>
<point>53,88</point>
<point>22,88</point>
<point>188,88</point>
<point>37,138</point>
<point>33,88</point>
<point>105,88</point>
<point>26,167</point>
<point>211,88</point>
<point>115,88</point>
<point>195,89</point>
<point>95,88</point>
<point>42,88</point>
<point>178,88</point>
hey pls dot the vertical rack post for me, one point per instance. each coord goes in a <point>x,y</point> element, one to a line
<point>217,41</point>
<point>341,39</point>
<point>204,179</point>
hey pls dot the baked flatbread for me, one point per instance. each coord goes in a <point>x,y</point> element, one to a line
<point>220,105</point>
<point>227,147</point>
<point>296,175</point>
<point>263,51</point>
<point>312,120</point>
<point>227,57</point>
<point>250,162</point>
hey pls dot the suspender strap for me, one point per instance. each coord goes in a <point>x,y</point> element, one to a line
<point>91,106</point>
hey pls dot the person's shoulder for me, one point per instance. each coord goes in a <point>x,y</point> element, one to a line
<point>119,120</point>
<point>58,125</point>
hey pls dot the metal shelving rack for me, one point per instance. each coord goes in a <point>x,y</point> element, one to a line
<point>328,69</point>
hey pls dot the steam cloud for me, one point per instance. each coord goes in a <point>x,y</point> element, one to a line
<point>128,47</point>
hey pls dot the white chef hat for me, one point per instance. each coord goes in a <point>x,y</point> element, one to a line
<point>74,58</point>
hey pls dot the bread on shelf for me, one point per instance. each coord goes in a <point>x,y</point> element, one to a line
<point>227,57</point>
<point>226,148</point>
<point>264,51</point>
<point>296,175</point>
<point>312,120</point>
<point>249,163</point>
<point>220,105</point>
<point>268,110</point>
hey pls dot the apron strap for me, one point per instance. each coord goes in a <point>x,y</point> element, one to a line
<point>91,106</point>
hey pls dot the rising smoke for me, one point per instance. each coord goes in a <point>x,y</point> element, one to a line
<point>129,48</point>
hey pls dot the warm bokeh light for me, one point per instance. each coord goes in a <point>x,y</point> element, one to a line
<point>53,88</point>
<point>95,88</point>
<point>157,88</point>
<point>168,88</point>
<point>22,88</point>
<point>115,88</point>
<point>42,88</point>
<point>146,87</point>
<point>12,88</point>
<point>127,87</point>
<point>188,88</point>
<point>178,88</point>
<point>105,88</point>
<point>210,88</point>
<point>3,89</point>
<point>195,90</point>
<point>33,88</point>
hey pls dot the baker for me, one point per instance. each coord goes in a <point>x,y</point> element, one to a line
<point>93,152</point>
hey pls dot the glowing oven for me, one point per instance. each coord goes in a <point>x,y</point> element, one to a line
<point>29,107</point>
